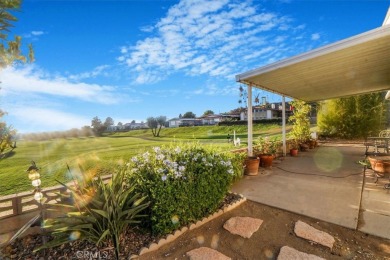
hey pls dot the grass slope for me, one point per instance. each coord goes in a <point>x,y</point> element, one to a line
<point>103,154</point>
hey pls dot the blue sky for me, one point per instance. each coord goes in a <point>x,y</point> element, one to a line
<point>133,59</point>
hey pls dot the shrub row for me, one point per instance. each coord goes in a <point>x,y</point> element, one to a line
<point>183,184</point>
<point>260,121</point>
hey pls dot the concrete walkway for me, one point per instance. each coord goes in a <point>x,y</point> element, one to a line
<point>325,183</point>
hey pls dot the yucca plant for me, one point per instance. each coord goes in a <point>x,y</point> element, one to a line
<point>100,211</point>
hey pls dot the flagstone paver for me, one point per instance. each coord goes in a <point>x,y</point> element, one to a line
<point>289,253</point>
<point>308,232</point>
<point>205,253</point>
<point>243,226</point>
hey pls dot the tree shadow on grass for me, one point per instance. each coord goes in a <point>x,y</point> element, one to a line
<point>7,155</point>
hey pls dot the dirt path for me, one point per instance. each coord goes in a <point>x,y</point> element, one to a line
<point>276,231</point>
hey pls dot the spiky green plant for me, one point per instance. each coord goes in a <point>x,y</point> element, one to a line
<point>100,212</point>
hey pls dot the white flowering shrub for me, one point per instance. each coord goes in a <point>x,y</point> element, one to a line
<point>183,183</point>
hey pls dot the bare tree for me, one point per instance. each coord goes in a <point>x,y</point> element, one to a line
<point>155,124</point>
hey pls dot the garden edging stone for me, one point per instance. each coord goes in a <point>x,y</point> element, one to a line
<point>172,237</point>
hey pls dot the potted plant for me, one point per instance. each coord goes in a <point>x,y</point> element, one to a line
<point>301,123</point>
<point>266,150</point>
<point>294,148</point>
<point>251,165</point>
<point>312,143</point>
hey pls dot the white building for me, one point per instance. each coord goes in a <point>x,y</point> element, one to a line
<point>211,119</point>
<point>133,125</point>
<point>268,111</point>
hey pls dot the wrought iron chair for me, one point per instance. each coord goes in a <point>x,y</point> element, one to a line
<point>378,144</point>
<point>383,144</point>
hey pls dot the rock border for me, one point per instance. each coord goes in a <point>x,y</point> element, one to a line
<point>177,233</point>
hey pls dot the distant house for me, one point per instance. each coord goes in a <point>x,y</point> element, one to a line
<point>211,119</point>
<point>134,125</point>
<point>268,111</point>
<point>179,122</point>
<point>174,122</point>
<point>203,120</point>
<point>120,127</point>
<point>112,128</point>
<point>190,122</point>
<point>233,115</point>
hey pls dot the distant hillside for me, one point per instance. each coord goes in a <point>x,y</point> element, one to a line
<point>206,132</point>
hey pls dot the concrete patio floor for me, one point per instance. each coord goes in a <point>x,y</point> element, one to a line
<point>325,183</point>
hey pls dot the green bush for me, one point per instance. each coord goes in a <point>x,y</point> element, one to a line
<point>353,117</point>
<point>183,183</point>
<point>100,211</point>
<point>300,121</point>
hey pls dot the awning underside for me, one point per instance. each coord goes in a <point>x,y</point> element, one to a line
<point>358,65</point>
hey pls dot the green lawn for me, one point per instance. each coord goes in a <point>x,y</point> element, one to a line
<point>102,154</point>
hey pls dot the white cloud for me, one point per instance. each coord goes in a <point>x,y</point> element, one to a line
<point>37,33</point>
<point>34,34</point>
<point>29,79</point>
<point>207,37</point>
<point>213,89</point>
<point>39,101</point>
<point>315,36</point>
<point>37,119</point>
<point>99,70</point>
<point>257,54</point>
<point>147,28</point>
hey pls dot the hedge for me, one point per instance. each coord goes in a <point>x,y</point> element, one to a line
<point>183,183</point>
<point>260,121</point>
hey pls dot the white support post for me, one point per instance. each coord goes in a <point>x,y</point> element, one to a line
<point>284,124</point>
<point>250,122</point>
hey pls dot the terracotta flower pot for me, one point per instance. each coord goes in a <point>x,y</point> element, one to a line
<point>266,160</point>
<point>381,165</point>
<point>252,166</point>
<point>294,152</point>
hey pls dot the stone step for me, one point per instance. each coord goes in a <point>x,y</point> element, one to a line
<point>243,226</point>
<point>310,233</point>
<point>205,253</point>
<point>289,253</point>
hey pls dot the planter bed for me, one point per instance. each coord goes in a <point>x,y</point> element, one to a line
<point>135,241</point>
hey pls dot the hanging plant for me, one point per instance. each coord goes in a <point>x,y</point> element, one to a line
<point>257,100</point>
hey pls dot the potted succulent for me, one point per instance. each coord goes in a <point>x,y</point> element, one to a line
<point>266,150</point>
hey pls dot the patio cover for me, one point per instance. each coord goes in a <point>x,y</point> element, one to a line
<point>357,65</point>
